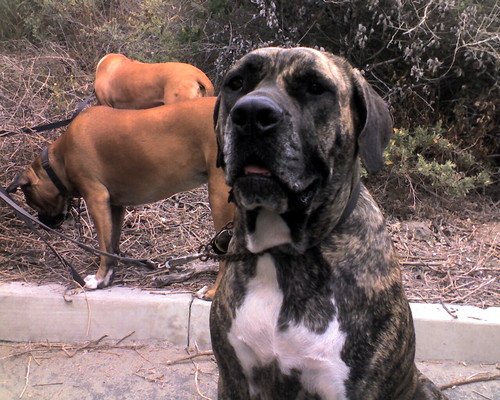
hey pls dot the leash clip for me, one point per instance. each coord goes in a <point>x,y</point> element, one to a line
<point>220,242</point>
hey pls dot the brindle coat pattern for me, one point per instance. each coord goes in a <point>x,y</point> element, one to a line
<point>331,118</point>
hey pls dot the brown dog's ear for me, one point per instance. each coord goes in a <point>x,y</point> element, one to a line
<point>376,123</point>
<point>220,156</point>
<point>19,180</point>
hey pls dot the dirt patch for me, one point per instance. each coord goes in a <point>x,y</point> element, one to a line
<point>153,370</point>
<point>453,262</point>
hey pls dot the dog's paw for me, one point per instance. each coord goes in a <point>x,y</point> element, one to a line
<point>94,282</point>
<point>201,293</point>
<point>205,293</point>
<point>91,282</point>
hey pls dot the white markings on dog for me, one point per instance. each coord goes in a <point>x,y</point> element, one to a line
<point>257,341</point>
<point>270,231</point>
<point>92,283</point>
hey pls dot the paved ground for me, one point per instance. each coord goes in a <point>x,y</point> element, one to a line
<point>132,370</point>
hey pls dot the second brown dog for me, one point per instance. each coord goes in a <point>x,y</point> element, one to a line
<point>121,82</point>
<point>114,158</point>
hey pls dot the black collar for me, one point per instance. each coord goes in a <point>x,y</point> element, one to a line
<point>50,172</point>
<point>351,204</point>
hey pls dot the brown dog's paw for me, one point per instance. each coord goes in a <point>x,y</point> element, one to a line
<point>205,293</point>
<point>94,282</point>
<point>90,282</point>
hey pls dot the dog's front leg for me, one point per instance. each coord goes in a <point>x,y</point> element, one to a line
<point>232,385</point>
<point>101,213</point>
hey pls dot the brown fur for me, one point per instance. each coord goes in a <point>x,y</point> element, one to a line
<point>124,83</point>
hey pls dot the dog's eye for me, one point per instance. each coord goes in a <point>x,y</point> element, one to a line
<point>315,88</point>
<point>235,83</point>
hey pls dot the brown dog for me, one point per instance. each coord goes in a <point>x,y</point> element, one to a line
<point>124,83</point>
<point>114,158</point>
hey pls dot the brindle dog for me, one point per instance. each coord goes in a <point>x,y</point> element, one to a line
<point>316,310</point>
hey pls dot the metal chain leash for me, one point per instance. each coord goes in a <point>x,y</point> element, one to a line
<point>216,249</point>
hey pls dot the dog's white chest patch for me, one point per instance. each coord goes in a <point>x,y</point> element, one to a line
<point>257,340</point>
<point>270,231</point>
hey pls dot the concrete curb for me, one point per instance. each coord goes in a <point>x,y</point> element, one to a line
<point>41,313</point>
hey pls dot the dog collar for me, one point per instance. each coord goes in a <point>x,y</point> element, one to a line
<point>351,204</point>
<point>51,173</point>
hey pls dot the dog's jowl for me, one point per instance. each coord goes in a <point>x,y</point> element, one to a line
<point>315,308</point>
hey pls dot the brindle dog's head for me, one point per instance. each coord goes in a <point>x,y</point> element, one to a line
<point>41,194</point>
<point>290,125</point>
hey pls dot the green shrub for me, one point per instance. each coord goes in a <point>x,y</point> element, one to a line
<point>434,61</point>
<point>429,160</point>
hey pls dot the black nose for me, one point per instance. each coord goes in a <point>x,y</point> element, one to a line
<point>52,221</point>
<point>256,114</point>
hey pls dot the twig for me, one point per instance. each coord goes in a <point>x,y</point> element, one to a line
<point>20,353</point>
<point>145,377</point>
<point>48,384</point>
<point>190,357</point>
<point>91,343</point>
<point>156,379</point>
<point>125,337</point>
<point>448,310</point>
<point>197,370</point>
<point>27,378</point>
<point>469,380</point>
<point>482,395</point>
<point>482,285</point>
<point>144,358</point>
<point>89,310</point>
<point>196,384</point>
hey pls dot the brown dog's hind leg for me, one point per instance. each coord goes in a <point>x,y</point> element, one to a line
<point>117,215</point>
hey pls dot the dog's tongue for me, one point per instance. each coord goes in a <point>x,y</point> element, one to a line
<point>256,170</point>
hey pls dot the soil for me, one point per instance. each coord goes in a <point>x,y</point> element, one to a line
<point>127,369</point>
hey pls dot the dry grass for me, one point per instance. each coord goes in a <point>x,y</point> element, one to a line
<point>453,258</point>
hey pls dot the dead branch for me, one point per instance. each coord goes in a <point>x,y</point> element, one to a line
<point>190,357</point>
<point>473,379</point>
<point>26,378</point>
<point>185,274</point>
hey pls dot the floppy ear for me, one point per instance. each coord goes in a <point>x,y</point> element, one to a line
<point>375,121</point>
<point>220,157</point>
<point>19,180</point>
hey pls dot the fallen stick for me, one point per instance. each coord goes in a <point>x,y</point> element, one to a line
<point>474,379</point>
<point>190,357</point>
<point>85,346</point>
<point>26,378</point>
<point>125,337</point>
<point>197,385</point>
<point>182,276</point>
<point>48,384</point>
